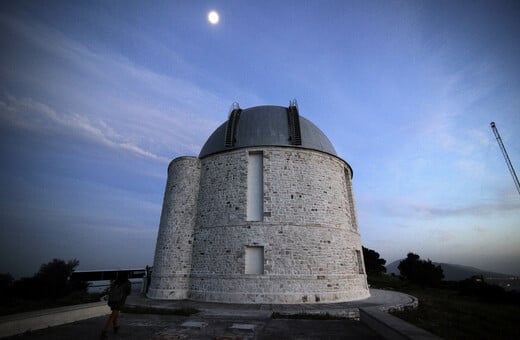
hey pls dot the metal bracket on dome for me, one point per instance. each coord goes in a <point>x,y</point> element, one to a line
<point>293,116</point>
<point>232,123</point>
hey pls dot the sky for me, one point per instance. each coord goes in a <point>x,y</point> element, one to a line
<point>97,97</point>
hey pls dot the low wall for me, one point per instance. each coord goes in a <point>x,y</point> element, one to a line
<point>30,321</point>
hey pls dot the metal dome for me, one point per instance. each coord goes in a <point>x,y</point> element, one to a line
<point>266,126</point>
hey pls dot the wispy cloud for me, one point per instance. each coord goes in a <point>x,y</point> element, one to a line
<point>443,235</point>
<point>411,210</point>
<point>38,117</point>
<point>107,96</point>
<point>482,209</point>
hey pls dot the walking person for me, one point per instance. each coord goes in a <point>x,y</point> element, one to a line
<point>119,290</point>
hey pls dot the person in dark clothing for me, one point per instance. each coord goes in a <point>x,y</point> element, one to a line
<point>119,290</point>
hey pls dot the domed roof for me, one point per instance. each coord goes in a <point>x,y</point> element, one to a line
<point>266,126</point>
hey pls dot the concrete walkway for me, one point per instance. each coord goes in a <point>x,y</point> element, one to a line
<point>383,300</point>
<point>363,319</point>
<point>23,322</point>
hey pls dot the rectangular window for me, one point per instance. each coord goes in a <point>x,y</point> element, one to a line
<point>255,186</point>
<point>255,260</point>
<point>361,268</point>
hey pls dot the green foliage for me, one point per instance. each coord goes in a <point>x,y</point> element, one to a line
<point>477,287</point>
<point>374,265</point>
<point>49,287</point>
<point>6,284</point>
<point>51,281</point>
<point>53,278</point>
<point>6,280</point>
<point>421,272</point>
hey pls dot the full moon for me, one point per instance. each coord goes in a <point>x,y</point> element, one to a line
<point>213,17</point>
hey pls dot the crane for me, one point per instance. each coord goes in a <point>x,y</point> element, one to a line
<point>504,152</point>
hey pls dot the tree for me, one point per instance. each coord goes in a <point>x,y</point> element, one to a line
<point>373,264</point>
<point>53,277</point>
<point>51,281</point>
<point>424,273</point>
<point>6,283</point>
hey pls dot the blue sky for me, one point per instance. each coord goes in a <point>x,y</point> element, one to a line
<point>97,97</point>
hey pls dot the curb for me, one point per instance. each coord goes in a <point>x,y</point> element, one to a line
<point>391,327</point>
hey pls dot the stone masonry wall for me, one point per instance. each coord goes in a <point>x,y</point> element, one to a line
<point>172,261</point>
<point>309,232</point>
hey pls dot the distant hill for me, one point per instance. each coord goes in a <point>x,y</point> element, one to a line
<point>452,272</point>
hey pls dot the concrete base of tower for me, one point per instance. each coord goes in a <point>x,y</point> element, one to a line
<point>278,298</point>
<point>167,294</point>
<point>278,289</point>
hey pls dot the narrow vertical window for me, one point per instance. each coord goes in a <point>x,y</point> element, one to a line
<point>254,260</point>
<point>350,197</point>
<point>255,187</point>
<point>359,259</point>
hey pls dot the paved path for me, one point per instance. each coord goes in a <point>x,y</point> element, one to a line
<point>169,327</point>
<point>382,299</point>
<point>233,321</point>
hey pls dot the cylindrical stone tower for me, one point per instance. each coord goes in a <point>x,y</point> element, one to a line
<point>172,261</point>
<point>275,217</point>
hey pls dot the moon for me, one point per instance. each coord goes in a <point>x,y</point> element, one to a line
<point>213,17</point>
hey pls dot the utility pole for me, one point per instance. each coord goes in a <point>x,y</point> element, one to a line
<point>504,152</point>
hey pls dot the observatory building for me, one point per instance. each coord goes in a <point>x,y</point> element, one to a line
<point>264,214</point>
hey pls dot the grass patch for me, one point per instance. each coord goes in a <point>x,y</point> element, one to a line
<point>161,311</point>
<point>304,316</point>
<point>451,316</point>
